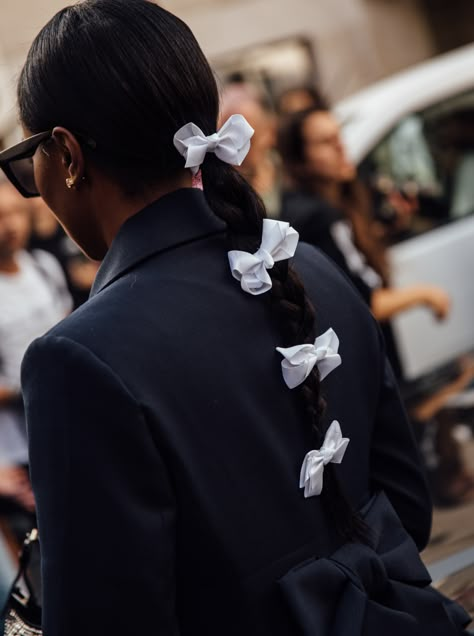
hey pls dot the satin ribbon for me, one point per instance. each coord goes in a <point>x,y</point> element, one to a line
<point>332,451</point>
<point>279,241</point>
<point>299,360</point>
<point>230,143</point>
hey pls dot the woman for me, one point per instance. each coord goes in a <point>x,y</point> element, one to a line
<point>166,450</point>
<point>328,208</point>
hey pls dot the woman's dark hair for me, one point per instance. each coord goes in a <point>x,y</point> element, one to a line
<point>315,98</point>
<point>291,144</point>
<point>129,74</point>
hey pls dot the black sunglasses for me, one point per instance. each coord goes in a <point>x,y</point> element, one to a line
<point>17,161</point>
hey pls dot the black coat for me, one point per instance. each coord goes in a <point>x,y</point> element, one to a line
<point>166,449</point>
<point>315,220</point>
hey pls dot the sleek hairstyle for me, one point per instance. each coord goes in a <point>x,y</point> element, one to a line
<point>128,74</point>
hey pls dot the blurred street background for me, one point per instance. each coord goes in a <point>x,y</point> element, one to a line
<point>344,45</point>
<point>364,120</point>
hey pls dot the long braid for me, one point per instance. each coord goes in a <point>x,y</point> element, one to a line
<point>234,201</point>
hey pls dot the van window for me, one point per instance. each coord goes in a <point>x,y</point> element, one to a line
<point>429,157</point>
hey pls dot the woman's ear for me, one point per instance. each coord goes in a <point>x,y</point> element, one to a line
<point>72,156</point>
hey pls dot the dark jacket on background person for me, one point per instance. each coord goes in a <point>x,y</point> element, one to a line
<point>166,451</point>
<point>317,223</point>
<point>324,226</point>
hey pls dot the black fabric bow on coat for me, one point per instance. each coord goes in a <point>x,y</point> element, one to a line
<point>371,591</point>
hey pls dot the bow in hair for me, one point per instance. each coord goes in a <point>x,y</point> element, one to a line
<point>332,450</point>
<point>299,360</point>
<point>230,144</point>
<point>279,241</point>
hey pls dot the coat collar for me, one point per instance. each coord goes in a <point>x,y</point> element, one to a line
<point>173,220</point>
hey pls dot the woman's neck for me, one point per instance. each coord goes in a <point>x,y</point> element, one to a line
<point>116,209</point>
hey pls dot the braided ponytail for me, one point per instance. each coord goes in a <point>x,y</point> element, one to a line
<point>233,200</point>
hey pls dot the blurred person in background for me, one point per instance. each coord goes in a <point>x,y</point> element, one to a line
<point>327,205</point>
<point>391,210</point>
<point>7,569</point>
<point>15,487</point>
<point>331,210</point>
<point>33,298</point>
<point>48,235</point>
<point>262,166</point>
<point>299,98</point>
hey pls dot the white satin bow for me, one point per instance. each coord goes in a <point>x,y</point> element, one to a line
<point>279,241</point>
<point>299,360</point>
<point>230,143</point>
<point>332,450</point>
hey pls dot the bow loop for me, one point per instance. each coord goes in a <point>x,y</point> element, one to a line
<point>279,241</point>
<point>230,144</point>
<point>300,360</point>
<point>332,451</point>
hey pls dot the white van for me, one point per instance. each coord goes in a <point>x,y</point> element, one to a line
<point>417,129</point>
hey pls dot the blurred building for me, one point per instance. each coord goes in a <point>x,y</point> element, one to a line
<point>343,44</point>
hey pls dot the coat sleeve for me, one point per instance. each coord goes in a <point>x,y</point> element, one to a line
<point>106,510</point>
<point>395,463</point>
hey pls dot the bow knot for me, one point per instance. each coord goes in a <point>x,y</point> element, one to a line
<point>332,451</point>
<point>266,258</point>
<point>326,455</point>
<point>279,241</point>
<point>299,360</point>
<point>212,141</point>
<point>230,143</point>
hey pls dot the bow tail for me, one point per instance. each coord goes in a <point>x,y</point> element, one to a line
<point>257,281</point>
<point>296,374</point>
<point>314,485</point>
<point>328,364</point>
